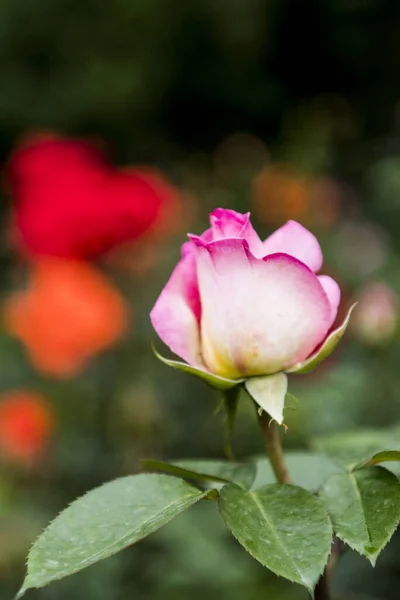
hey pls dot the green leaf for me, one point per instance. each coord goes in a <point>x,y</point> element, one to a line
<point>325,350</point>
<point>380,457</point>
<point>352,447</point>
<point>284,527</point>
<point>105,521</point>
<point>364,507</point>
<point>217,471</point>
<point>269,393</point>
<point>220,383</point>
<point>307,470</point>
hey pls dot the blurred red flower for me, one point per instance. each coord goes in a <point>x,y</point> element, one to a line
<point>71,202</point>
<point>68,313</point>
<point>26,423</point>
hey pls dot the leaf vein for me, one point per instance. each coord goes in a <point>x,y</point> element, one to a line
<point>359,497</point>
<point>107,550</point>
<point>280,542</point>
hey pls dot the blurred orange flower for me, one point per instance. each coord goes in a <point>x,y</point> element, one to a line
<point>26,423</point>
<point>281,193</point>
<point>68,313</point>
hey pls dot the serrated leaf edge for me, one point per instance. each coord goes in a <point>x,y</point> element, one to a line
<point>371,556</point>
<point>310,588</point>
<point>87,562</point>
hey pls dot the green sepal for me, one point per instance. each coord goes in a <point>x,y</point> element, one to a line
<point>215,381</point>
<point>269,392</point>
<point>325,350</point>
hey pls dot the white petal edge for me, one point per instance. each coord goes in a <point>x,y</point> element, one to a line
<point>269,393</point>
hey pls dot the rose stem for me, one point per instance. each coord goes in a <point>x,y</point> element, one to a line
<point>273,445</point>
<point>276,457</point>
<point>322,588</point>
<point>321,591</point>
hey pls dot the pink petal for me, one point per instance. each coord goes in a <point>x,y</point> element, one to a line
<point>231,224</point>
<point>332,290</point>
<point>227,223</point>
<point>295,240</point>
<point>208,235</point>
<point>190,285</point>
<point>325,349</point>
<point>259,316</point>
<point>176,314</point>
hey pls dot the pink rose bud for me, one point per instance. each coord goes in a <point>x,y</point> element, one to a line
<point>377,316</point>
<point>237,308</point>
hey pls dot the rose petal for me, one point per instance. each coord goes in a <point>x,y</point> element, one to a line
<point>231,224</point>
<point>175,315</point>
<point>258,316</point>
<point>269,392</point>
<point>227,223</point>
<point>332,290</point>
<point>326,348</point>
<point>295,240</point>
